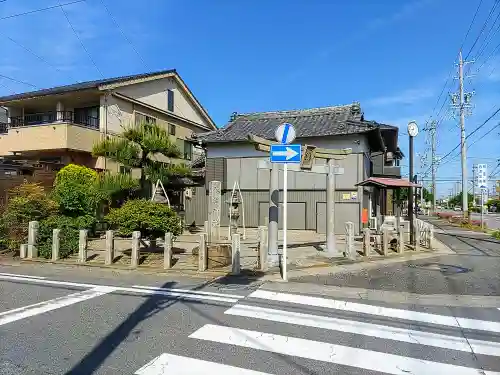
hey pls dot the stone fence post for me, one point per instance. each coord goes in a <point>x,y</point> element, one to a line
<point>350,252</point>
<point>55,244</point>
<point>32,239</point>
<point>135,251</point>
<point>167,251</point>
<point>110,248</point>
<point>401,239</point>
<point>82,246</point>
<point>263,248</point>
<point>385,241</point>
<point>202,253</point>
<point>235,253</point>
<point>366,242</point>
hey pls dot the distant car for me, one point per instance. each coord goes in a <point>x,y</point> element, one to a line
<point>456,208</point>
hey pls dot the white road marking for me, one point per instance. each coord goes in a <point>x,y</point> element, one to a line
<point>53,304</point>
<point>200,292</point>
<point>368,329</point>
<point>387,312</point>
<point>176,365</point>
<point>326,352</point>
<point>15,274</point>
<point>185,295</point>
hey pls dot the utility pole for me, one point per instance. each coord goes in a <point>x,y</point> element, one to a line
<point>433,163</point>
<point>461,100</point>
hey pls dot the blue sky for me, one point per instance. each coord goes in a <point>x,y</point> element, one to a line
<point>393,56</point>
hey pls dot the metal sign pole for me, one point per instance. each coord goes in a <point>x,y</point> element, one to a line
<point>285,216</point>
<point>482,204</point>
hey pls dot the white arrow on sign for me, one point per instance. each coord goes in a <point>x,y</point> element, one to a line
<point>289,153</point>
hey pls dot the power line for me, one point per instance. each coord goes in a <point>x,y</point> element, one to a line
<point>80,40</point>
<point>19,81</point>
<point>471,23</point>
<point>122,32</point>
<point>40,10</point>
<point>41,58</point>
<point>482,29</point>
<point>470,134</point>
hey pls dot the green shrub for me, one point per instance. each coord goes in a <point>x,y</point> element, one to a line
<point>68,236</point>
<point>150,218</point>
<point>28,202</point>
<point>74,190</point>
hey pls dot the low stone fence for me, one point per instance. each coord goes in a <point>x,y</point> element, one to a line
<point>187,251</point>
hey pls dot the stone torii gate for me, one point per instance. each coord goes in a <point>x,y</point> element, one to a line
<point>309,153</point>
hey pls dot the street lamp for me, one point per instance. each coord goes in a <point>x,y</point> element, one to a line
<point>412,132</point>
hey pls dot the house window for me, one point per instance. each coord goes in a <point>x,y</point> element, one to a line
<point>171,129</point>
<point>186,149</point>
<point>144,119</point>
<point>125,170</point>
<point>170,100</point>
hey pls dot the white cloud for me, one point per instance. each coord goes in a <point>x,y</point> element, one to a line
<point>410,96</point>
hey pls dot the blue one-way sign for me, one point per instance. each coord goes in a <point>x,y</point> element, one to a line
<point>291,154</point>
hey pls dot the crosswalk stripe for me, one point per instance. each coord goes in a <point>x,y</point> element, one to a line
<point>368,329</point>
<point>387,312</point>
<point>326,352</point>
<point>178,365</point>
<point>53,304</point>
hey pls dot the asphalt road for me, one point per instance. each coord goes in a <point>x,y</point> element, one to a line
<point>76,321</point>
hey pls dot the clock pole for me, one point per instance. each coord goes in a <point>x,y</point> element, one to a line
<point>412,132</point>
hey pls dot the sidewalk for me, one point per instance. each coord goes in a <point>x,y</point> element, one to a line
<point>470,268</point>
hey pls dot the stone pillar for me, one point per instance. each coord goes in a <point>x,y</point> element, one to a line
<point>202,253</point>
<point>110,248</point>
<point>32,238</point>
<point>431,237</point>
<point>136,246</point>
<point>167,251</point>
<point>263,248</point>
<point>366,242</point>
<point>385,241</point>
<point>350,252</point>
<point>23,251</point>
<point>206,228</point>
<point>55,244</point>
<point>235,253</point>
<point>82,246</point>
<point>401,240</point>
<point>214,209</point>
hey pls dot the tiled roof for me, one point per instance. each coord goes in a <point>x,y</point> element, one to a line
<point>316,122</point>
<point>81,86</point>
<point>386,182</point>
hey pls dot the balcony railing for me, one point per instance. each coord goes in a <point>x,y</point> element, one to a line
<point>51,117</point>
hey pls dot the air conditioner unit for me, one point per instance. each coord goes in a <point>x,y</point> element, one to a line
<point>188,193</point>
<point>373,223</point>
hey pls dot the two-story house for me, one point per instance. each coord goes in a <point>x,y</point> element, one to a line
<point>62,124</point>
<point>230,157</point>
